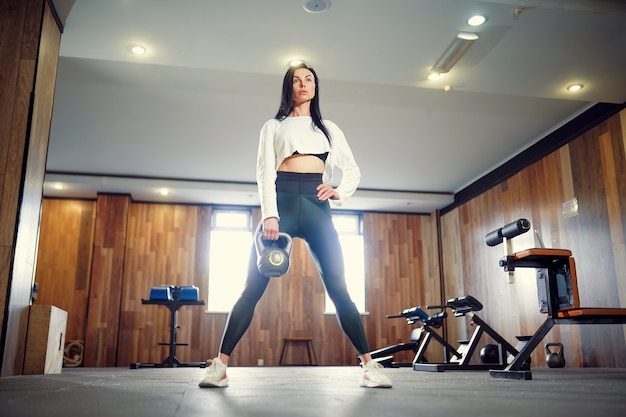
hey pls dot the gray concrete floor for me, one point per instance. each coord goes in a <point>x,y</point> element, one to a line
<point>312,391</point>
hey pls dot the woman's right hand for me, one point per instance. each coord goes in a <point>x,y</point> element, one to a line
<point>270,228</point>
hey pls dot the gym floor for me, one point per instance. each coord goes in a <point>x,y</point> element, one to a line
<point>312,391</point>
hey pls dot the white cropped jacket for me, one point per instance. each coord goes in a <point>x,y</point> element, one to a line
<point>280,139</point>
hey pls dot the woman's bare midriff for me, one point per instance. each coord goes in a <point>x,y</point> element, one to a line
<point>302,163</point>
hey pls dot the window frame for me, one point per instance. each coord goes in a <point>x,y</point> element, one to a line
<point>358,231</point>
<point>249,228</point>
<point>360,301</point>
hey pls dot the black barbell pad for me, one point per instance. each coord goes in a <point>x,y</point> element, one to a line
<point>494,238</point>
<point>515,228</point>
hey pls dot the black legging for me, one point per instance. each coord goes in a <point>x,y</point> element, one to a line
<point>301,215</point>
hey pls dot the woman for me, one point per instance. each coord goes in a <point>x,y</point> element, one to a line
<point>297,153</point>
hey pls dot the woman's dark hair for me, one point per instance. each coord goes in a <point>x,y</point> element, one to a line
<point>286,102</point>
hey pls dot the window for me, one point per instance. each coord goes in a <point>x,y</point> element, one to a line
<point>231,240</point>
<point>350,235</point>
<point>231,237</point>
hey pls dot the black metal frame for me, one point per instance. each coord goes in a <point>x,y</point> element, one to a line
<point>550,259</point>
<point>460,360</point>
<point>418,345</point>
<point>171,361</point>
<point>454,358</point>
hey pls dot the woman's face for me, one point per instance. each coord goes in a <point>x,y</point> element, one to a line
<point>303,85</point>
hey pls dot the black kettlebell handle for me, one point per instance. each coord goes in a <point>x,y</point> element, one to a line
<point>558,351</point>
<point>284,240</point>
<point>272,255</point>
<point>555,359</point>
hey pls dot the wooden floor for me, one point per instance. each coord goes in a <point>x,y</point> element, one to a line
<point>312,391</point>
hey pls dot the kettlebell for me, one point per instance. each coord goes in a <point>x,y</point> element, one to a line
<point>490,353</point>
<point>272,255</point>
<point>555,358</point>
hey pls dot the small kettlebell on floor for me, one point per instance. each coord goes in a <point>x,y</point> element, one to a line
<point>490,353</point>
<point>554,357</point>
<point>272,255</point>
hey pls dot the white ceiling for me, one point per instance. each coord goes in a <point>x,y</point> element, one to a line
<point>186,116</point>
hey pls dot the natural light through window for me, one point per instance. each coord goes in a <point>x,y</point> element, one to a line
<point>349,228</point>
<point>231,240</point>
<point>228,258</point>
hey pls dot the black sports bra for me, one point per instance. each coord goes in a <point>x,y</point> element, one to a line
<point>321,156</point>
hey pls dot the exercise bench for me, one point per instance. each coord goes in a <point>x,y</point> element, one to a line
<point>419,339</point>
<point>459,359</point>
<point>558,299</point>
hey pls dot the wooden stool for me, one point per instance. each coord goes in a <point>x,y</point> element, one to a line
<point>298,340</point>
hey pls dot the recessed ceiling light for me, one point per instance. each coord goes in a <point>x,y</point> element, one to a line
<point>316,6</point>
<point>164,191</point>
<point>294,62</point>
<point>476,20</point>
<point>58,186</point>
<point>467,36</point>
<point>574,87</point>
<point>457,48</point>
<point>434,76</point>
<point>137,49</point>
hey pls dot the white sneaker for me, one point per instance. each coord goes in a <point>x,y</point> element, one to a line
<point>215,375</point>
<point>373,376</point>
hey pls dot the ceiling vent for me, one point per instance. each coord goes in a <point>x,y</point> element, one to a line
<point>316,6</point>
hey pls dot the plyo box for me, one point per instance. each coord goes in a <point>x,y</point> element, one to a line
<point>45,340</point>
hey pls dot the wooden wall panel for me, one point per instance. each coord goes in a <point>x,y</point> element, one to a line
<point>105,291</point>
<point>592,169</point>
<point>601,222</point>
<point>167,245</point>
<point>64,267</point>
<point>29,45</point>
<point>452,270</point>
<point>402,271</point>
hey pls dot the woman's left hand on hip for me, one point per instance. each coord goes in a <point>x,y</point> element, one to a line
<point>326,192</point>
